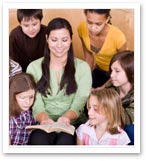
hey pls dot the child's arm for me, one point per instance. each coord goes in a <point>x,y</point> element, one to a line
<point>79,133</point>
<point>79,142</point>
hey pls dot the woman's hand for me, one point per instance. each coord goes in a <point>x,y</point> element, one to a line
<point>47,121</point>
<point>65,120</point>
<point>43,118</point>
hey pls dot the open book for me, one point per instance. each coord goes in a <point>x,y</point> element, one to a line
<point>56,126</point>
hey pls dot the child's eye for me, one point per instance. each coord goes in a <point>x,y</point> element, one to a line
<point>34,24</point>
<point>99,24</point>
<point>95,109</point>
<point>31,97</point>
<point>89,22</point>
<point>26,25</point>
<point>21,97</point>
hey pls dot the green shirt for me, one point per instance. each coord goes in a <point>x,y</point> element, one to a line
<point>58,102</point>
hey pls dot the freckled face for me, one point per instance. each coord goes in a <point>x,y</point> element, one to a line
<point>25,99</point>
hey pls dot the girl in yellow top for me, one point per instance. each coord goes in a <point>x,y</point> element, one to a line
<point>101,41</point>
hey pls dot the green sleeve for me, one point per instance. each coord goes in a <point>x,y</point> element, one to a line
<point>84,82</point>
<point>35,70</point>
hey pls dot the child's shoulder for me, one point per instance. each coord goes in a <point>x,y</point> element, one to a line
<point>43,27</point>
<point>16,30</point>
<point>86,129</point>
<point>85,126</point>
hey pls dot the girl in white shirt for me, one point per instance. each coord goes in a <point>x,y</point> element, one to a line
<point>105,123</point>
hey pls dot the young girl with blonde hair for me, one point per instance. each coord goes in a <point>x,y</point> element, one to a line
<point>106,121</point>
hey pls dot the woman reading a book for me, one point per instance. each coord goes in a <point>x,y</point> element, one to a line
<point>63,85</point>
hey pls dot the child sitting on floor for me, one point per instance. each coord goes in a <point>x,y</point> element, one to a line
<point>22,94</point>
<point>105,123</point>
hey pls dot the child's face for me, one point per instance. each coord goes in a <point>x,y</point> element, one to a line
<point>96,116</point>
<point>31,28</point>
<point>25,99</point>
<point>118,75</point>
<point>95,22</point>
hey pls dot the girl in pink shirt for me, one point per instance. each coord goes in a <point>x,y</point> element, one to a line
<point>106,121</point>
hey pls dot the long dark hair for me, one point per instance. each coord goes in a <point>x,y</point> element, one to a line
<point>68,78</point>
<point>126,60</point>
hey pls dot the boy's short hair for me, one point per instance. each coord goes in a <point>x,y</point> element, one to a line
<point>27,14</point>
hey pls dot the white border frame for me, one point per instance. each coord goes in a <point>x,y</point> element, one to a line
<point>70,149</point>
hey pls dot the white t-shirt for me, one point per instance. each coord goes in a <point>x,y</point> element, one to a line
<point>87,134</point>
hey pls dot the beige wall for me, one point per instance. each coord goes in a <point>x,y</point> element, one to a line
<point>122,18</point>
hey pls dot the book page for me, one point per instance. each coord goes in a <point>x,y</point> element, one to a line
<point>45,127</point>
<point>56,126</point>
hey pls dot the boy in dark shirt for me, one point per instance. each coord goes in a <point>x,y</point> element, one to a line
<point>27,41</point>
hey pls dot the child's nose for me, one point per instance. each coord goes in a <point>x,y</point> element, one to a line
<point>90,111</point>
<point>27,101</point>
<point>93,27</point>
<point>112,74</point>
<point>30,28</point>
